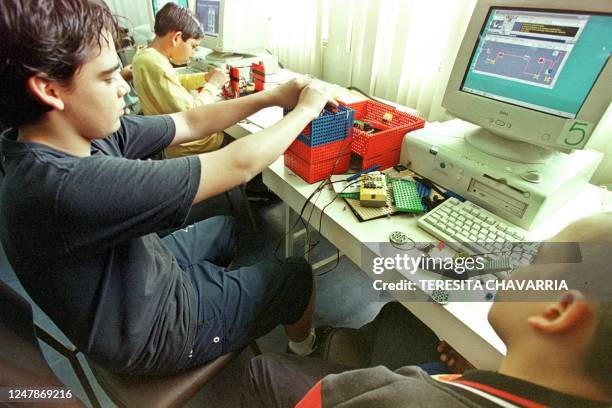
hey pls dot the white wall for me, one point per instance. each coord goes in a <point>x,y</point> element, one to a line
<point>136,12</point>
<point>602,141</point>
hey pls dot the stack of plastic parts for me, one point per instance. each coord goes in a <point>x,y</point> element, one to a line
<point>258,74</point>
<point>379,138</point>
<point>323,147</point>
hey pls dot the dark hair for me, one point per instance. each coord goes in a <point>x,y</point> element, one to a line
<point>45,37</point>
<point>173,17</point>
<point>598,361</point>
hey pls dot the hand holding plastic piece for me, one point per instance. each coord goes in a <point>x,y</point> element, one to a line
<point>292,92</point>
<point>287,94</point>
<point>314,99</point>
<point>216,77</point>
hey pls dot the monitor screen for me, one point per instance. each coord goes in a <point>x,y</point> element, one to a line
<point>158,4</point>
<point>546,61</point>
<point>208,13</point>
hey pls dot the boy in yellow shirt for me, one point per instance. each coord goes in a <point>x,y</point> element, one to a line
<point>161,90</point>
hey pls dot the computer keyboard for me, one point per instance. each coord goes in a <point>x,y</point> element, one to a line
<point>468,228</point>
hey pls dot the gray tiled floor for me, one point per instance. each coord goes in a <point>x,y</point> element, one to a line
<point>339,302</point>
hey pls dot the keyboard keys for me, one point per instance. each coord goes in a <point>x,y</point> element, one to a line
<point>473,229</point>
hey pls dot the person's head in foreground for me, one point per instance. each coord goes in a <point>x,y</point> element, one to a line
<point>558,346</point>
<point>563,340</point>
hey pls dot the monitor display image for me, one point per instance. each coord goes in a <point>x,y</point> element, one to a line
<point>542,60</point>
<point>208,14</point>
<point>158,4</point>
<point>530,73</point>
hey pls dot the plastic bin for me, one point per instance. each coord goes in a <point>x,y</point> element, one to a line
<point>391,132</point>
<point>322,152</point>
<point>313,172</point>
<point>384,160</point>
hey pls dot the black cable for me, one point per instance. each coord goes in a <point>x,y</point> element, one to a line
<point>321,227</point>
<point>312,246</point>
<point>317,190</point>
<point>318,275</point>
<point>328,180</point>
<point>290,231</point>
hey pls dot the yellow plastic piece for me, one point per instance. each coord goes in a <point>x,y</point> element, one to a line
<point>373,190</point>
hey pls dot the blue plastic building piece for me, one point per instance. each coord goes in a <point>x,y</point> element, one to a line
<point>329,127</point>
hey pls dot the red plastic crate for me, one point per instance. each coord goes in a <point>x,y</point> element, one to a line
<point>313,172</point>
<point>384,160</point>
<point>391,134</point>
<point>322,152</point>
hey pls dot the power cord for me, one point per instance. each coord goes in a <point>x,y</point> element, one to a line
<point>318,190</point>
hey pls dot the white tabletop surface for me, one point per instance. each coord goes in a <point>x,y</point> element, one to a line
<point>463,324</point>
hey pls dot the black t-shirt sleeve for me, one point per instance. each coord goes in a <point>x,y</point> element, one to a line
<point>106,200</point>
<point>143,136</point>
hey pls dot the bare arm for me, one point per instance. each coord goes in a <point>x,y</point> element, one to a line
<point>205,120</point>
<point>242,160</point>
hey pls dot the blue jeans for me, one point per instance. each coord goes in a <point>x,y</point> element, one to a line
<point>235,306</point>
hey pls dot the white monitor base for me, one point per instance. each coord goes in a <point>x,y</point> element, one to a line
<point>224,57</point>
<point>511,150</point>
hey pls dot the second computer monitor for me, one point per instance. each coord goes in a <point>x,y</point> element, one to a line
<point>530,73</point>
<point>232,26</point>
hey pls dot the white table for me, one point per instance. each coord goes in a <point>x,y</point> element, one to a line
<point>463,324</point>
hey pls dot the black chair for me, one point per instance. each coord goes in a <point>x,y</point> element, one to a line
<point>22,363</point>
<point>19,353</point>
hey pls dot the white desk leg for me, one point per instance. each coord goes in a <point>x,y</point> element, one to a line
<point>307,250</point>
<point>288,231</point>
<point>324,262</point>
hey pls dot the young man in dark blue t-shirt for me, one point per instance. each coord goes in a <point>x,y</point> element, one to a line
<point>79,210</point>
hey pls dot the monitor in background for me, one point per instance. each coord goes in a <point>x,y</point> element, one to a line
<point>237,26</point>
<point>535,79</point>
<point>208,13</point>
<point>156,5</point>
<point>529,85</point>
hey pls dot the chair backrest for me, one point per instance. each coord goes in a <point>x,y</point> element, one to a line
<point>2,129</point>
<point>22,364</point>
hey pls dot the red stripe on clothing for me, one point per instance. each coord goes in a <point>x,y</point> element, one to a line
<point>503,394</point>
<point>312,399</point>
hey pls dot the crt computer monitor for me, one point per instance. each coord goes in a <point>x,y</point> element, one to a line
<point>156,5</point>
<point>533,71</point>
<point>232,26</point>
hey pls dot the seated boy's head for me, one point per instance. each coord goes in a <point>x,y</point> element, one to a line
<point>565,330</point>
<point>180,31</point>
<point>58,63</point>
